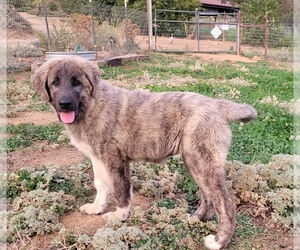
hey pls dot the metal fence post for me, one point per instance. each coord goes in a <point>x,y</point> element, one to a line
<point>238,33</point>
<point>155,32</point>
<point>149,11</point>
<point>266,34</point>
<point>93,27</point>
<point>197,28</point>
<point>47,26</point>
<point>126,24</point>
<point>224,33</point>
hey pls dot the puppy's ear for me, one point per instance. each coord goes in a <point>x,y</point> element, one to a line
<point>39,81</point>
<point>92,73</point>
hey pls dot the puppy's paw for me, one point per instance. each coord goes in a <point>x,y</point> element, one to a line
<point>120,214</point>
<point>204,213</point>
<point>211,243</point>
<point>91,208</point>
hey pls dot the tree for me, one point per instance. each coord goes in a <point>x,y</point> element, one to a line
<point>279,11</point>
<point>287,10</point>
<point>256,9</point>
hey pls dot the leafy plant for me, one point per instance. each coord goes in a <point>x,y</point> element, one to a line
<point>152,180</point>
<point>37,212</point>
<point>22,181</point>
<point>267,187</point>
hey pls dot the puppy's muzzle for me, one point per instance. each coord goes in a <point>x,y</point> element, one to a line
<point>66,103</point>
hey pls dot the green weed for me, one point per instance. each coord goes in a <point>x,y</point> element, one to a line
<point>245,233</point>
<point>70,180</point>
<point>268,135</point>
<point>24,134</point>
<point>245,227</point>
<point>22,181</point>
<point>185,183</point>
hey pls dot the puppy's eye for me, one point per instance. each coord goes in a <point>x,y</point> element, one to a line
<point>76,83</point>
<point>55,82</point>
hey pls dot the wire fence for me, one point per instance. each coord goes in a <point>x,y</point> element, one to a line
<point>222,32</point>
<point>33,29</point>
<point>198,32</point>
<point>269,41</point>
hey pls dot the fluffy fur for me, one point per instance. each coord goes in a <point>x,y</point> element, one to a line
<point>114,126</point>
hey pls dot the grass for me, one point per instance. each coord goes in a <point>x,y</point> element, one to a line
<point>253,144</point>
<point>268,135</point>
<point>24,134</point>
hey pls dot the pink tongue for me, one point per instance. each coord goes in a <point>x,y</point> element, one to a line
<point>67,117</point>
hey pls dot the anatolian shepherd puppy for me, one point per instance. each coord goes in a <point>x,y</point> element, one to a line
<point>114,126</point>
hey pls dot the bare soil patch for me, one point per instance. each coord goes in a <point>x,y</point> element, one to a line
<point>35,117</point>
<point>89,224</point>
<point>42,154</point>
<point>227,57</point>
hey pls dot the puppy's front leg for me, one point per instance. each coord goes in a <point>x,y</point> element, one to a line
<point>122,189</point>
<point>103,185</point>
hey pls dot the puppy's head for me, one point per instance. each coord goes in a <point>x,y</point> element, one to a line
<point>66,84</point>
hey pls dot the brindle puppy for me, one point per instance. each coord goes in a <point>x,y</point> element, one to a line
<point>114,126</point>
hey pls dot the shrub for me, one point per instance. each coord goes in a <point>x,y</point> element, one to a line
<point>267,187</point>
<point>19,91</point>
<point>121,238</point>
<point>38,212</point>
<point>153,180</point>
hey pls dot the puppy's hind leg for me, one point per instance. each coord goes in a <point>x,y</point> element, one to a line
<point>210,177</point>
<point>122,190</point>
<point>103,185</point>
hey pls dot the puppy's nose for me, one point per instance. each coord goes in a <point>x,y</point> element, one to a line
<point>65,103</point>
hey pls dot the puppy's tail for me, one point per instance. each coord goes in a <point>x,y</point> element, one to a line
<point>236,111</point>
